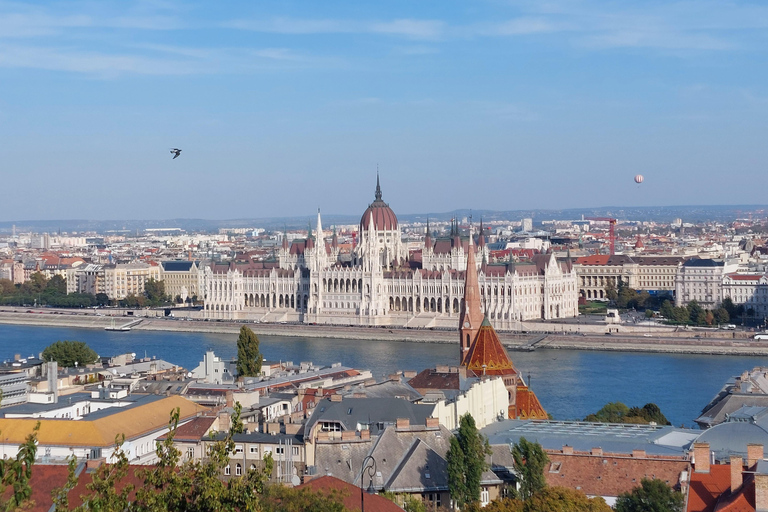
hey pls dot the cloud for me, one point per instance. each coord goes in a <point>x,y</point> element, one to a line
<point>415,29</point>
<point>409,28</point>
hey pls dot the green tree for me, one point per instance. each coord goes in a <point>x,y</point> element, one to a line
<point>648,313</point>
<point>67,353</point>
<point>249,358</point>
<point>57,285</point>
<point>722,316</point>
<point>15,474</point>
<point>154,291</point>
<point>562,499</point>
<point>7,287</point>
<point>102,299</point>
<point>36,284</point>
<point>610,292</point>
<point>612,412</point>
<point>529,463</point>
<point>466,462</point>
<point>651,496</point>
<point>695,313</point>
<point>729,306</point>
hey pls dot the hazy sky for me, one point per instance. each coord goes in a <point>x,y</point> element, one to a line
<point>286,106</point>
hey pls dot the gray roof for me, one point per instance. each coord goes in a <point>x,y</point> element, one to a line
<point>728,405</point>
<point>177,266</point>
<point>703,262</point>
<point>583,436</point>
<point>732,438</point>
<point>386,389</point>
<point>403,459</point>
<point>262,438</point>
<point>368,411</point>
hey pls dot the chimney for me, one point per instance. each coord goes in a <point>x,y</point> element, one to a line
<point>433,423</point>
<point>52,370</point>
<point>701,458</point>
<point>567,450</point>
<point>365,434</point>
<point>754,454</point>
<point>761,493</point>
<point>638,454</point>
<point>402,423</point>
<point>597,451</point>
<point>335,398</point>
<point>737,466</point>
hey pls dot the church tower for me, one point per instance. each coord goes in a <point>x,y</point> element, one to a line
<point>471,317</point>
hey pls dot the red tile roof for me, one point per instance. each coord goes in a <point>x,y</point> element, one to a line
<point>45,478</point>
<point>706,488</point>
<point>609,475</point>
<point>373,502</point>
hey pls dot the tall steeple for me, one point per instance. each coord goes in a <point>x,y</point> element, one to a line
<point>378,187</point>
<point>320,235</point>
<point>471,317</point>
<point>428,237</point>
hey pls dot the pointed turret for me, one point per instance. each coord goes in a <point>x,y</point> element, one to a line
<point>335,239</point>
<point>320,235</point>
<point>456,238</point>
<point>471,315</point>
<point>310,240</point>
<point>481,238</point>
<point>285,238</point>
<point>428,237</point>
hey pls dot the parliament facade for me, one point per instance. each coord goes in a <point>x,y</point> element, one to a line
<point>381,284</point>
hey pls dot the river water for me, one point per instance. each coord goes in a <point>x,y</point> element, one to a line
<point>569,383</point>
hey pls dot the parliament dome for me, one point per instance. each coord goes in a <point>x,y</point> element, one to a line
<point>384,219</point>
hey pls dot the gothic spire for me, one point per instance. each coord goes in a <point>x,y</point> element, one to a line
<point>378,186</point>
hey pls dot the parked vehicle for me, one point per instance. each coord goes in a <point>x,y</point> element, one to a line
<point>761,336</point>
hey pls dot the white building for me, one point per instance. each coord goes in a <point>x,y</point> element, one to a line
<point>382,284</point>
<point>702,280</point>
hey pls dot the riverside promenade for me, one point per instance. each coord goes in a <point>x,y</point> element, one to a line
<point>662,339</point>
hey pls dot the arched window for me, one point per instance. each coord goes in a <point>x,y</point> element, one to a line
<point>227,470</point>
<point>238,470</point>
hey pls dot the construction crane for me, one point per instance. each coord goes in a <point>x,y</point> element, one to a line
<point>611,233</point>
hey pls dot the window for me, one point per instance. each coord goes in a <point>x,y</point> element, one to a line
<point>254,449</point>
<point>484,497</point>
<point>238,448</point>
<point>227,470</point>
<point>238,469</point>
<point>190,453</point>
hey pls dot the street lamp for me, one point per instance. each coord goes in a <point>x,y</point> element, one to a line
<point>369,466</point>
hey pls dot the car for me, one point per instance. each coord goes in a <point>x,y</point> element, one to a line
<point>647,335</point>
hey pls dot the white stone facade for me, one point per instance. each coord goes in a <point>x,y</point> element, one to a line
<point>310,283</point>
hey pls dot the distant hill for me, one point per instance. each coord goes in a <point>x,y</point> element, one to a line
<point>693,214</point>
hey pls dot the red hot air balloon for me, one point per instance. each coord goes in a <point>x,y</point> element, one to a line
<point>639,179</point>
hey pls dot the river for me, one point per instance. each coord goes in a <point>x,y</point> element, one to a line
<point>569,383</point>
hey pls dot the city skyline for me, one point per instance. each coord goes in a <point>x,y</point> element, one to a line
<point>283,108</point>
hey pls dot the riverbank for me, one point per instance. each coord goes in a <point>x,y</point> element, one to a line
<point>661,342</point>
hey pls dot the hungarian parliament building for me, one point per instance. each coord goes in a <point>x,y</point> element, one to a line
<point>382,285</point>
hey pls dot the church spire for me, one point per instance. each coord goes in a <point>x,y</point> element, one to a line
<point>471,317</point>
<point>428,237</point>
<point>378,186</point>
<point>320,235</point>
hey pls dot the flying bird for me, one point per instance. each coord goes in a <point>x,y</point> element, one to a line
<point>176,152</point>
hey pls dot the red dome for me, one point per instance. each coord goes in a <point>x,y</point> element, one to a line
<point>384,219</point>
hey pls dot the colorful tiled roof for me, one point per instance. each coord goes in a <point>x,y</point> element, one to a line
<point>487,355</point>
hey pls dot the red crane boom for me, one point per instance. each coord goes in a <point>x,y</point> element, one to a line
<point>611,233</point>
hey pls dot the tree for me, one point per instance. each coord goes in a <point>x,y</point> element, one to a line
<point>612,412</point>
<point>651,496</point>
<point>610,292</point>
<point>529,463</point>
<point>154,291</point>
<point>617,412</point>
<point>695,313</point>
<point>67,353</point>
<point>562,499</point>
<point>102,299</point>
<point>722,316</point>
<point>729,306</point>
<point>7,287</point>
<point>249,357</point>
<point>57,285</point>
<point>16,473</point>
<point>466,462</point>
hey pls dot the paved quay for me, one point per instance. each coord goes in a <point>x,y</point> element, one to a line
<point>666,341</point>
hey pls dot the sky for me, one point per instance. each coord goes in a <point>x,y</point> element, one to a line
<point>284,107</point>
